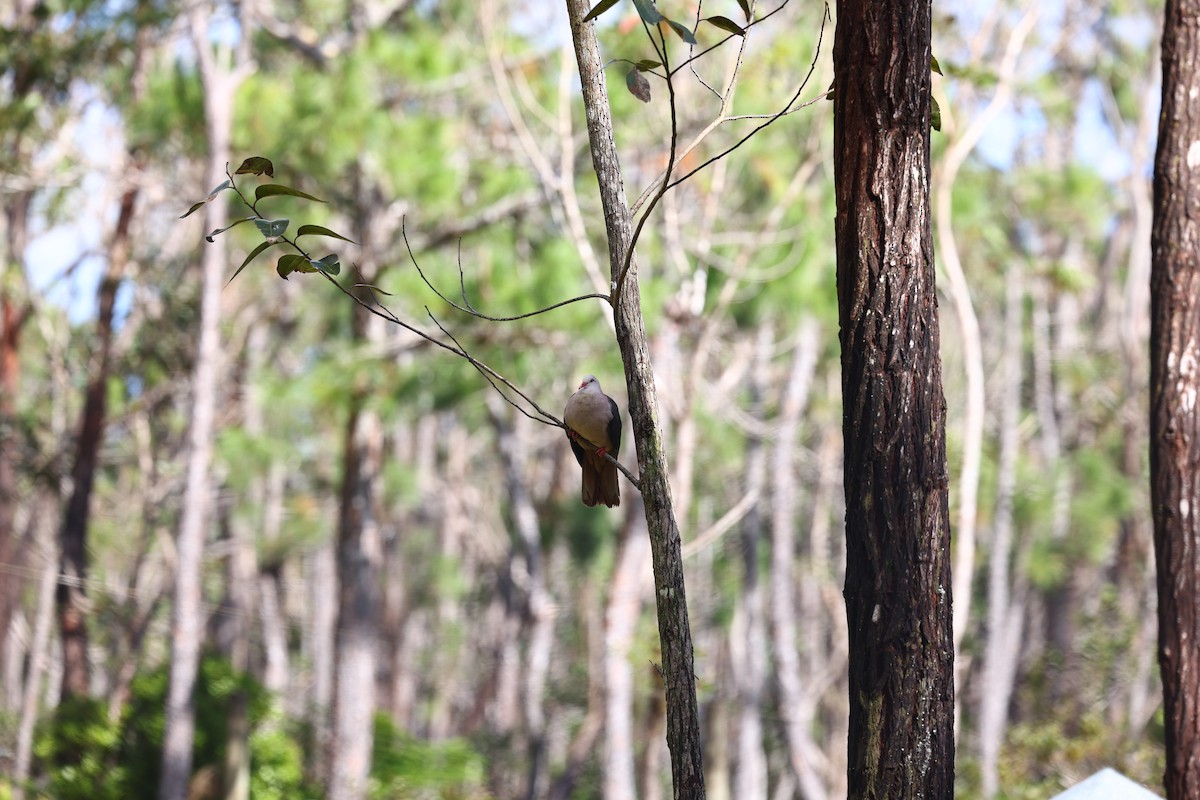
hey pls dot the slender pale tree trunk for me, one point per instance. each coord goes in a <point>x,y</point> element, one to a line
<point>14,313</point>
<point>625,593</point>
<point>748,634</point>
<point>1174,387</point>
<point>794,709</point>
<point>674,628</point>
<point>972,344</point>
<point>898,588</point>
<point>1005,614</point>
<point>39,649</point>
<point>187,624</point>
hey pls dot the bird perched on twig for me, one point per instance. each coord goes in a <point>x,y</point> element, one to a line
<point>593,416</point>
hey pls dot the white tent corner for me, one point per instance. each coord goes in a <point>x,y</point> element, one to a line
<point>1107,784</point>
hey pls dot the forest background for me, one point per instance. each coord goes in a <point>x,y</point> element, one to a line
<point>512,644</point>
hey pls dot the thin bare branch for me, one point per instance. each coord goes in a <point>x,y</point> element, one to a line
<point>637,231</point>
<point>787,109</point>
<point>468,308</point>
<point>746,28</point>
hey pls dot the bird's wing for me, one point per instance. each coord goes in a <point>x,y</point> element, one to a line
<point>614,427</point>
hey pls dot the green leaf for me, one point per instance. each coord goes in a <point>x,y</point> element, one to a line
<point>935,114</point>
<point>683,31</point>
<point>256,165</point>
<point>725,24</point>
<point>646,64</point>
<point>273,189</point>
<point>290,263</point>
<point>329,264</point>
<point>271,228</point>
<point>225,184</point>
<point>934,65</point>
<point>318,230</point>
<point>219,231</point>
<point>253,255</point>
<point>211,195</point>
<point>599,8</point>
<point>637,84</point>
<point>745,4</point>
<point>195,207</point>
<point>648,12</point>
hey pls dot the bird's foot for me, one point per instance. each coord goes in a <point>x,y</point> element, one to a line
<point>600,451</point>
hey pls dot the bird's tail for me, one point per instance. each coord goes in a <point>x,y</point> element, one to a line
<point>610,488</point>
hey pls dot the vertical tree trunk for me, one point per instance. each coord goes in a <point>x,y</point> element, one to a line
<point>898,608</point>
<point>620,618</point>
<point>748,633</point>
<point>71,600</point>
<point>39,649</point>
<point>187,628</point>
<point>13,315</point>
<point>1174,384</point>
<point>359,553</point>
<point>321,580</point>
<point>674,628</point>
<point>1005,614</point>
<point>793,710</point>
<point>359,562</point>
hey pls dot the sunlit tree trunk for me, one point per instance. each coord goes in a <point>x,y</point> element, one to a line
<point>625,592</point>
<point>187,629</point>
<point>14,313</point>
<point>1174,386</point>
<point>674,627</point>
<point>898,587</point>
<point>1005,612</point>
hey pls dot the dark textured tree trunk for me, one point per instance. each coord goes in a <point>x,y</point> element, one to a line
<point>1174,383</point>
<point>901,739</point>
<point>72,614</point>
<point>674,628</point>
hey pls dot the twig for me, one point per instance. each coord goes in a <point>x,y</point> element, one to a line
<point>468,308</point>
<point>787,109</point>
<point>637,231</point>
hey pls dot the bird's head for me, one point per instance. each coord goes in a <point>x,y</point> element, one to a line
<point>589,381</point>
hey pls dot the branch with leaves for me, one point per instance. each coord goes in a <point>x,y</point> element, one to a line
<point>274,231</point>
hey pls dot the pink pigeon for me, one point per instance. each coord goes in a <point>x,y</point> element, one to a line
<point>593,416</point>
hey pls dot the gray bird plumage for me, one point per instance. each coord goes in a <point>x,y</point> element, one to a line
<point>594,417</point>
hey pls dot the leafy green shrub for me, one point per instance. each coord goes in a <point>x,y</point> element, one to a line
<point>82,754</point>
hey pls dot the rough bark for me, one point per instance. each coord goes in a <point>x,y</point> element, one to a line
<point>1174,384</point>
<point>898,590</point>
<point>683,718</point>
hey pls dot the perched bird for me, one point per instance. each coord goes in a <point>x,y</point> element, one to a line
<point>593,416</point>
